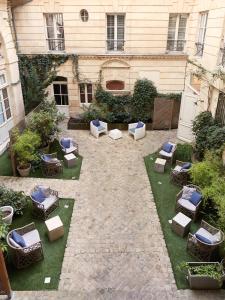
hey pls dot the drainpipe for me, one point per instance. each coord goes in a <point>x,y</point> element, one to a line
<point>12,24</point>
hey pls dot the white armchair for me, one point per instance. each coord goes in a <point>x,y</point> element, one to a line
<point>68,145</point>
<point>138,133</point>
<point>97,130</point>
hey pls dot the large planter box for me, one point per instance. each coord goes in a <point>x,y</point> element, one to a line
<point>201,282</point>
<point>74,124</point>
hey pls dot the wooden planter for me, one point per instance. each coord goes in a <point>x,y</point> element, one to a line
<point>201,282</point>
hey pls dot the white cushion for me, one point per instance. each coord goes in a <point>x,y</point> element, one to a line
<point>164,153</point>
<point>49,201</point>
<point>217,237</point>
<point>187,192</point>
<point>177,168</point>
<point>206,234</point>
<point>14,244</point>
<point>187,204</point>
<point>71,149</point>
<point>31,238</point>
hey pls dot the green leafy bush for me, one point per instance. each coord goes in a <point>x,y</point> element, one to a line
<point>18,200</point>
<point>25,146</point>
<point>184,152</point>
<point>4,229</point>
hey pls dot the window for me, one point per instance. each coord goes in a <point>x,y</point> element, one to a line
<point>115,85</point>
<point>220,110</point>
<point>5,112</point>
<point>55,32</point>
<point>84,15</point>
<point>222,52</point>
<point>115,32</point>
<point>86,93</point>
<point>201,33</point>
<point>60,91</point>
<point>176,32</point>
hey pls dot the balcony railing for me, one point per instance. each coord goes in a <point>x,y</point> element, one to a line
<point>56,44</point>
<point>115,45</point>
<point>175,45</point>
<point>199,49</point>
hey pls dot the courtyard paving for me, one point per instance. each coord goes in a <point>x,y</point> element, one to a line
<point>115,247</point>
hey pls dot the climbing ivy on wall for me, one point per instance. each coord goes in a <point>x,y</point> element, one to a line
<point>37,72</point>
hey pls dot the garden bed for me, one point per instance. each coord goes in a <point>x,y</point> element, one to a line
<point>165,199</point>
<point>76,124</point>
<point>32,278</point>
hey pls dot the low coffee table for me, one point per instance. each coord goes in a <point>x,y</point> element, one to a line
<point>70,160</point>
<point>181,224</point>
<point>55,228</point>
<point>115,134</point>
<point>160,165</point>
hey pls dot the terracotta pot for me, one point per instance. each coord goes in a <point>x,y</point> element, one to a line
<point>7,214</point>
<point>24,172</point>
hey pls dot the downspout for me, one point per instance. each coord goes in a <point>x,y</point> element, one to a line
<point>12,24</point>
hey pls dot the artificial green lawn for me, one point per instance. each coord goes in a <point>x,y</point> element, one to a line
<point>68,173</point>
<point>165,199</point>
<point>32,277</point>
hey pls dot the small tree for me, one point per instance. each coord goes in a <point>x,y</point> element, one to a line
<point>143,99</point>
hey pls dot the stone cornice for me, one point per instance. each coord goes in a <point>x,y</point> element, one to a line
<point>135,56</point>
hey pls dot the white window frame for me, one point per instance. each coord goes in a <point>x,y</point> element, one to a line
<point>55,38</point>
<point>86,103</point>
<point>202,27</point>
<point>4,86</point>
<point>115,46</point>
<point>61,83</point>
<point>176,40</point>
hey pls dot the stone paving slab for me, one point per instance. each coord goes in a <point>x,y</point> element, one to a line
<point>115,247</point>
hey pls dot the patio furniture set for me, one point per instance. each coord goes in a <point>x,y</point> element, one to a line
<point>137,130</point>
<point>204,243</point>
<point>52,166</point>
<point>25,242</point>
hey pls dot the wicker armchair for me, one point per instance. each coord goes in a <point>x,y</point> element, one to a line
<point>168,155</point>
<point>32,252</point>
<point>73,146</point>
<point>50,203</point>
<point>51,165</point>
<point>186,206</point>
<point>200,249</point>
<point>178,175</point>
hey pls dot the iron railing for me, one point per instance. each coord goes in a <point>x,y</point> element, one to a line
<point>199,49</point>
<point>56,44</point>
<point>115,45</point>
<point>175,45</point>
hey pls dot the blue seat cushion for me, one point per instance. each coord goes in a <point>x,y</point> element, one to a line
<point>38,195</point>
<point>186,166</point>
<point>203,239</point>
<point>195,198</point>
<point>132,130</point>
<point>167,147</point>
<point>18,239</point>
<point>96,122</point>
<point>139,124</point>
<point>100,128</point>
<point>65,143</point>
<point>46,157</point>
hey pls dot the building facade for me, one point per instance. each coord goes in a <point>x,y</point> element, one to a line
<point>178,44</point>
<point>11,100</point>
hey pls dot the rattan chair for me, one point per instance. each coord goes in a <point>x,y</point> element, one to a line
<point>32,252</point>
<point>51,165</point>
<point>202,250</point>
<point>178,175</point>
<point>188,209</point>
<point>43,209</point>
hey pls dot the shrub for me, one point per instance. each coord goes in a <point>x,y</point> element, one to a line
<point>184,152</point>
<point>3,234</point>
<point>25,146</point>
<point>18,200</point>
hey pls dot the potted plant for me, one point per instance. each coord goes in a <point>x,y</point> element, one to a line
<point>7,214</point>
<point>204,275</point>
<point>25,149</point>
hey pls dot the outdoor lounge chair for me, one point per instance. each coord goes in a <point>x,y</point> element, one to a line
<point>51,165</point>
<point>181,173</point>
<point>68,145</point>
<point>205,242</point>
<point>27,250</point>
<point>44,201</point>
<point>167,151</point>
<point>137,130</point>
<point>188,201</point>
<point>97,127</point>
